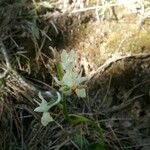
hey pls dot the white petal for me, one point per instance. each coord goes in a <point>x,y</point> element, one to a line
<point>64,56</point>
<point>46,118</point>
<point>41,109</point>
<point>72,56</point>
<point>67,79</point>
<point>80,80</point>
<point>70,66</point>
<point>68,59</point>
<point>40,96</point>
<point>44,105</point>
<point>38,109</point>
<point>81,92</point>
<point>44,102</point>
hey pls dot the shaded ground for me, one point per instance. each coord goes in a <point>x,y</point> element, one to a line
<point>121,91</point>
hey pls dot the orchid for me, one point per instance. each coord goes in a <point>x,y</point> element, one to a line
<point>71,79</point>
<point>44,107</point>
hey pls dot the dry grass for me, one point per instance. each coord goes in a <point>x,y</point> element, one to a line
<point>96,37</point>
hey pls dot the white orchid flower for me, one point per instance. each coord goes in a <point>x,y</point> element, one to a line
<point>68,60</point>
<point>44,107</point>
<point>71,79</point>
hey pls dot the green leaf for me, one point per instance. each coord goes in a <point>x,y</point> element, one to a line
<point>97,146</point>
<point>59,71</point>
<point>1,82</point>
<point>76,119</point>
<point>35,31</point>
<point>81,142</point>
<point>32,14</point>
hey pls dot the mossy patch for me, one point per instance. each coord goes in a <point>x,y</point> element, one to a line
<point>129,39</point>
<point>102,40</point>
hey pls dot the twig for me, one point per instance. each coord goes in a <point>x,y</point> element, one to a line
<point>123,105</point>
<point>110,62</point>
<point>3,49</point>
<point>92,8</point>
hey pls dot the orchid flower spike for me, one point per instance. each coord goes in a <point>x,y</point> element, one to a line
<point>71,79</point>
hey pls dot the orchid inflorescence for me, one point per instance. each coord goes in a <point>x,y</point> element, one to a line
<point>72,79</point>
<point>70,82</point>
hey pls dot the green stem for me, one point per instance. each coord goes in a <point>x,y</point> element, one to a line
<point>59,71</point>
<point>65,111</point>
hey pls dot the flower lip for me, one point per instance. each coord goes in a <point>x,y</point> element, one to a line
<point>46,118</point>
